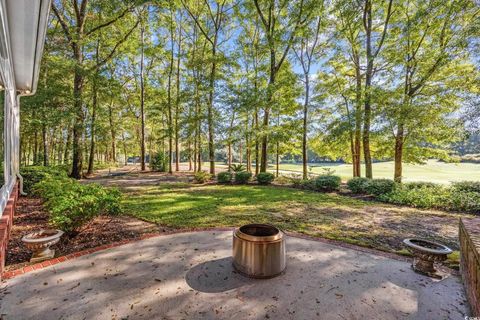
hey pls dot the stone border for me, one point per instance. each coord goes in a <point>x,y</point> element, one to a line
<point>13,273</point>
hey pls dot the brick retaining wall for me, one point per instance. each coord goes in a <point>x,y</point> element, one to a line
<point>6,222</point>
<point>469,235</point>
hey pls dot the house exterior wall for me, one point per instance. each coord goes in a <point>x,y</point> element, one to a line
<point>11,141</point>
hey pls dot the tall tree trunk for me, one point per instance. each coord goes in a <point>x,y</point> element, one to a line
<point>211,147</point>
<point>66,155</point>
<point>45,145</point>
<point>77,143</point>
<point>112,132</point>
<point>177,102</point>
<point>92,126</point>
<point>35,147</point>
<point>368,84</point>
<point>399,140</point>
<point>305,127</point>
<point>257,144</point>
<point>142,98</point>
<point>277,159</point>
<point>358,123</point>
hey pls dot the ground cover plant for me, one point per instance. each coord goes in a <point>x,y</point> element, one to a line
<point>461,196</point>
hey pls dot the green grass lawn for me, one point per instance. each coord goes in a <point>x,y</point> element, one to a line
<point>331,216</point>
<point>432,171</point>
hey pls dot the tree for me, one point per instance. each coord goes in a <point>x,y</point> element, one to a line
<point>306,52</point>
<point>436,74</point>
<point>281,20</point>
<point>76,19</point>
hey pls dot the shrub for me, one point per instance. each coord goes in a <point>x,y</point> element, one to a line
<point>242,177</point>
<point>358,184</point>
<point>71,205</point>
<point>265,178</point>
<point>427,196</point>
<point>224,177</point>
<point>202,176</point>
<point>283,180</point>
<point>296,180</point>
<point>378,187</point>
<point>159,162</point>
<point>327,183</point>
<point>34,174</point>
<point>465,201</point>
<point>419,185</point>
<point>467,186</point>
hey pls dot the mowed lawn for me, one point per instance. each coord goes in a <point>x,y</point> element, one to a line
<point>432,171</point>
<point>331,216</point>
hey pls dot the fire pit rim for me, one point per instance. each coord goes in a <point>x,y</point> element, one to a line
<point>443,251</point>
<point>277,236</point>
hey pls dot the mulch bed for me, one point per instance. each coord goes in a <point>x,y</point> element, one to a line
<point>31,216</point>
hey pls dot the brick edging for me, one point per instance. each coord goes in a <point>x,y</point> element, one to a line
<point>13,273</point>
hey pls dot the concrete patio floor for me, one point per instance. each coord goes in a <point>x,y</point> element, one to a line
<point>189,276</point>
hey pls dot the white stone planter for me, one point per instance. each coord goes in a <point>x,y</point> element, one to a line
<point>39,242</point>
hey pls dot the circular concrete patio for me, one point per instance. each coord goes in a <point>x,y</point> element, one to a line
<point>189,276</point>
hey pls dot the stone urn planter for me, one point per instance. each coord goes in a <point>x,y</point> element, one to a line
<point>425,254</point>
<point>39,242</point>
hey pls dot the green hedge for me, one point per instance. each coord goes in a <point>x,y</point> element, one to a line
<point>224,177</point>
<point>202,176</point>
<point>327,183</point>
<point>358,185</point>
<point>34,174</point>
<point>265,178</point>
<point>71,205</point>
<point>467,186</point>
<point>243,177</point>
<point>377,187</point>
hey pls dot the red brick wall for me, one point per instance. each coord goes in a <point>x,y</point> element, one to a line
<point>469,235</point>
<point>6,222</point>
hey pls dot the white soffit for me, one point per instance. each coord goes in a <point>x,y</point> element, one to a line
<point>27,24</point>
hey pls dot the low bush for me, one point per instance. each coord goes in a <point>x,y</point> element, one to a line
<point>419,185</point>
<point>430,195</point>
<point>243,177</point>
<point>159,162</point>
<point>467,186</point>
<point>358,184</point>
<point>34,174</point>
<point>464,201</point>
<point>265,178</point>
<point>378,187</point>
<point>224,177</point>
<point>283,180</point>
<point>202,176</point>
<point>327,183</point>
<point>427,196</point>
<point>71,205</point>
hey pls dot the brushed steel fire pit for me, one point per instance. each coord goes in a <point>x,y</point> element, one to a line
<point>259,250</point>
<point>425,254</point>
<point>39,242</point>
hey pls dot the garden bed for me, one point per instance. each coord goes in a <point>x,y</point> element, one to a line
<point>31,216</point>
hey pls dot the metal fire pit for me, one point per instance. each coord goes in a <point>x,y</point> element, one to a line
<point>259,250</point>
<point>425,254</point>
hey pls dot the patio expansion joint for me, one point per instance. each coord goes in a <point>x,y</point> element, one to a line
<point>45,264</point>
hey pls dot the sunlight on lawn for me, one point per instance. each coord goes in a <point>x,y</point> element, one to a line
<point>331,216</point>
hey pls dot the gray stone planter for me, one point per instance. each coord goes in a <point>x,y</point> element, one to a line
<point>425,254</point>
